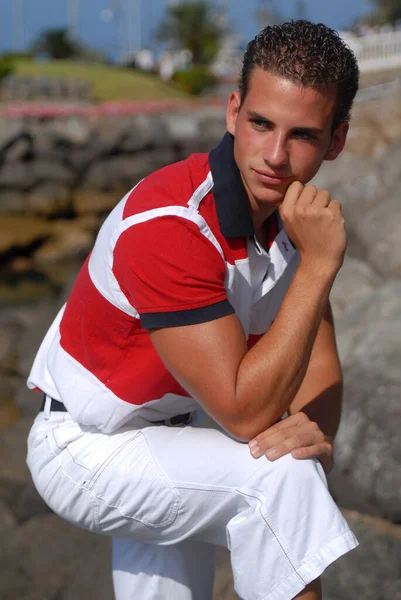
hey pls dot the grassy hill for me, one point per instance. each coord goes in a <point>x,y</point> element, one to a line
<point>109,82</point>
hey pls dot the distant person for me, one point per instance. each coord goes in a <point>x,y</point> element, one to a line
<point>208,288</point>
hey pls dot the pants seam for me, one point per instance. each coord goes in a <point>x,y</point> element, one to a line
<point>277,538</point>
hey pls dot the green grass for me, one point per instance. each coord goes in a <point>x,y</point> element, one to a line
<point>109,82</point>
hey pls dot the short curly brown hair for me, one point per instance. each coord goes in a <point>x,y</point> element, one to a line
<point>309,53</point>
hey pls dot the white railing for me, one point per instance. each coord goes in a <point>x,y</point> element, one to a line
<point>376,51</point>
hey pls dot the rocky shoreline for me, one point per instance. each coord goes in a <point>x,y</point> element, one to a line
<point>58,180</point>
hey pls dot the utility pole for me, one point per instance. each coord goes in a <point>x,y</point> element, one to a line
<point>73,19</point>
<point>18,24</point>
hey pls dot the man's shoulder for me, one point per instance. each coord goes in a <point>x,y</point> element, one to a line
<point>172,185</point>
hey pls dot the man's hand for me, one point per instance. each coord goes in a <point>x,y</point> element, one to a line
<point>297,435</point>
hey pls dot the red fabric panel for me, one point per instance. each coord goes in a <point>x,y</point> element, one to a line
<point>113,346</point>
<point>167,264</point>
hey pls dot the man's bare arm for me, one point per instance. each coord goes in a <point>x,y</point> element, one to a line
<point>246,392</point>
<point>320,395</point>
<point>316,409</point>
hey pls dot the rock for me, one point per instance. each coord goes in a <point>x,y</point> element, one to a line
<point>12,201</point>
<point>46,168</point>
<point>25,291</point>
<point>182,127</point>
<point>35,318</point>
<point>19,148</point>
<point>367,475</point>
<point>10,335</point>
<point>16,175</point>
<point>370,335</point>
<point>379,230</point>
<point>7,519</point>
<point>10,130</point>
<point>126,171</point>
<point>49,199</point>
<point>9,413</point>
<point>20,232</point>
<point>67,243</point>
<point>46,558</point>
<point>13,453</point>
<point>94,201</point>
<point>142,132</point>
<point>22,500</point>
<point>355,281</point>
<point>371,571</point>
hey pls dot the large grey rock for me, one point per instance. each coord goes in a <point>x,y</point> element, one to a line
<point>355,281</point>
<point>12,201</point>
<point>44,169</point>
<point>367,474</point>
<point>49,198</point>
<point>16,175</point>
<point>371,571</point>
<point>46,558</point>
<point>370,335</point>
<point>10,130</point>
<point>143,131</point>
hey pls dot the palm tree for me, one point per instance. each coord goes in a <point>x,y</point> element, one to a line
<point>192,26</point>
<point>56,43</point>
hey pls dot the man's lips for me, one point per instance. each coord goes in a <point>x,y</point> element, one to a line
<point>272,178</point>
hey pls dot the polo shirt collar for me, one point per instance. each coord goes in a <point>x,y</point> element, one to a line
<point>231,200</point>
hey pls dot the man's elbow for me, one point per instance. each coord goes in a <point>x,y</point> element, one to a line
<point>244,428</point>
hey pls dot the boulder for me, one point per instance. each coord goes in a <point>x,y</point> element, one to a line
<point>49,199</point>
<point>46,168</point>
<point>68,242</point>
<point>367,475</point>
<point>16,175</point>
<point>46,558</point>
<point>12,201</point>
<point>355,281</point>
<point>371,571</point>
<point>88,201</point>
<point>22,231</point>
<point>370,335</point>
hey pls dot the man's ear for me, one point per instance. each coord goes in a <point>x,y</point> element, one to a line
<point>233,106</point>
<point>337,141</point>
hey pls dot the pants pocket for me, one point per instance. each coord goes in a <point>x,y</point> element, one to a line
<point>132,482</point>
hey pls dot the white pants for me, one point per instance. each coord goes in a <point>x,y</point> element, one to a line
<point>168,495</point>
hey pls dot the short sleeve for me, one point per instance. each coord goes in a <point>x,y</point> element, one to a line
<point>171,272</point>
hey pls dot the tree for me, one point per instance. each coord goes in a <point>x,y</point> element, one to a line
<point>191,26</point>
<point>56,44</point>
<point>267,13</point>
<point>386,11</point>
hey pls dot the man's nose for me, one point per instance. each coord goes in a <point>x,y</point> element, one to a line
<point>275,151</point>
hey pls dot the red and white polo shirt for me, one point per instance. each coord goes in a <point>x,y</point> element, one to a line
<point>178,249</point>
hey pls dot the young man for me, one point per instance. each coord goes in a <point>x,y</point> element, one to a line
<point>208,287</point>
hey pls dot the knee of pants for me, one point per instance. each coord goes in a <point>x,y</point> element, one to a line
<point>288,480</point>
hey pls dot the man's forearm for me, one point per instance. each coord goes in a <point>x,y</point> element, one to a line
<point>320,395</point>
<point>272,372</point>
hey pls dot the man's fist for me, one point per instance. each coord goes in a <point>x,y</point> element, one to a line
<point>315,225</point>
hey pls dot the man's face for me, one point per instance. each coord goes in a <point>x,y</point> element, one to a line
<point>283,132</point>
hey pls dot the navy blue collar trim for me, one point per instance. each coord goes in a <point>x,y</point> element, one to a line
<point>232,204</point>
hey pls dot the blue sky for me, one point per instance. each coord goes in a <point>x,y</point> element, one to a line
<point>110,35</point>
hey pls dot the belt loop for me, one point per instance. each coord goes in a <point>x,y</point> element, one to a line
<point>47,407</point>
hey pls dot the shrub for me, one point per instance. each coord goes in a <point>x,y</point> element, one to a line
<point>6,67</point>
<point>195,80</point>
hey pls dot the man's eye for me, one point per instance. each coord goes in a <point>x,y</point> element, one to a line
<point>303,135</point>
<point>260,123</point>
